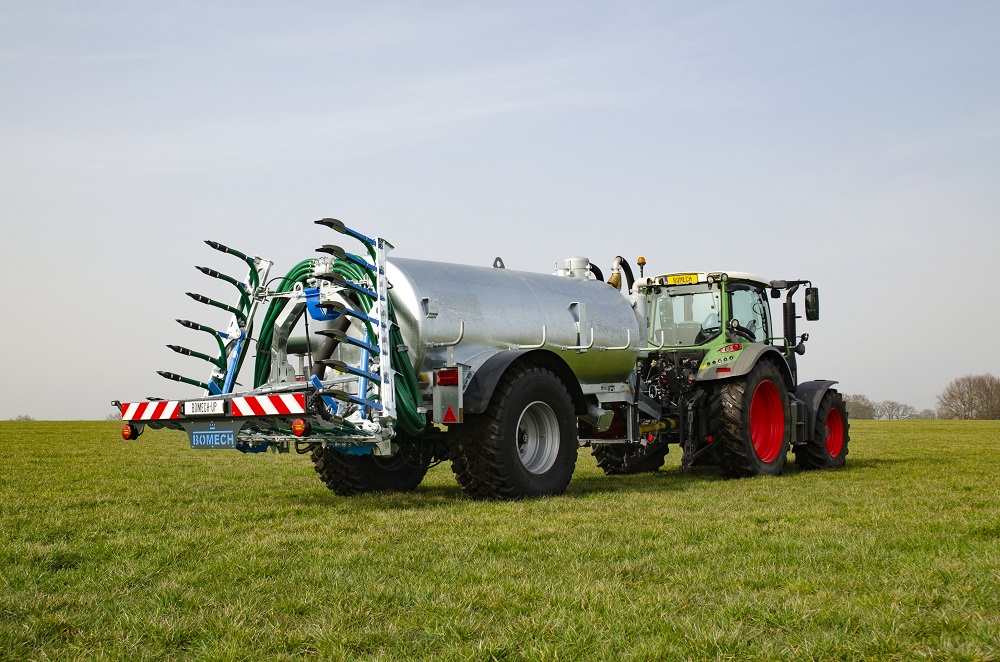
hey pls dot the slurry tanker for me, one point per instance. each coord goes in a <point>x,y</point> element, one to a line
<point>379,367</point>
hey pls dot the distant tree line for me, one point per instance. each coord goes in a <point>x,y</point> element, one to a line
<point>972,397</point>
<point>861,406</point>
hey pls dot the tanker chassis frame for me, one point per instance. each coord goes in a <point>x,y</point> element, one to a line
<point>401,371</point>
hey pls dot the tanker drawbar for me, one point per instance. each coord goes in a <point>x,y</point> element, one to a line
<point>379,367</point>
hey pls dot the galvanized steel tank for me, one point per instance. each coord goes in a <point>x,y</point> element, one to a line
<point>503,309</point>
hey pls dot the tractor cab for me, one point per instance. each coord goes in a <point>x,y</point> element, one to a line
<point>698,310</point>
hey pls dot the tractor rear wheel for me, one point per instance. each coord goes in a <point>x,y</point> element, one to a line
<point>348,475</point>
<point>831,434</point>
<point>523,445</point>
<point>611,459</point>
<point>752,419</point>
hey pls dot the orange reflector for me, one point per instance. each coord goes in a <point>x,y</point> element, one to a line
<point>301,427</point>
<point>449,416</point>
<point>447,377</point>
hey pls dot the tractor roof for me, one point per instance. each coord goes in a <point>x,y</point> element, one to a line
<point>688,277</point>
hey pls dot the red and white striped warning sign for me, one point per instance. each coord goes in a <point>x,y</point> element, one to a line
<point>156,410</point>
<point>269,405</point>
<point>251,405</point>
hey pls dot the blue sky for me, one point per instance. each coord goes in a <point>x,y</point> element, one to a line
<point>856,144</point>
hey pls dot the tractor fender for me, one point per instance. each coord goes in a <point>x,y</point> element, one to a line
<point>748,358</point>
<point>811,394</point>
<point>478,394</point>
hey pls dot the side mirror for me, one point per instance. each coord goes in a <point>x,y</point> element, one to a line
<point>812,303</point>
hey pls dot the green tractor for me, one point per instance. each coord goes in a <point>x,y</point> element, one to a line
<point>722,383</point>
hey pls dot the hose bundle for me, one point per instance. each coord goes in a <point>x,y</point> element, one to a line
<point>408,398</point>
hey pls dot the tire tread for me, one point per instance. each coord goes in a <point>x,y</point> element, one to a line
<point>726,409</point>
<point>813,454</point>
<point>476,446</point>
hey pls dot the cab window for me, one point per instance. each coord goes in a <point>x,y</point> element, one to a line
<point>684,316</point>
<point>749,306</point>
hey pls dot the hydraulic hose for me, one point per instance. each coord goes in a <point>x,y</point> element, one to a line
<point>629,278</point>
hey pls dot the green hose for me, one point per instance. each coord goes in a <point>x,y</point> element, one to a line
<point>300,273</point>
<point>407,387</point>
<point>408,398</point>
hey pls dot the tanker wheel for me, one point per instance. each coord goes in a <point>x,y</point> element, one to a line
<point>523,445</point>
<point>752,419</point>
<point>348,475</point>
<point>611,459</point>
<point>831,434</point>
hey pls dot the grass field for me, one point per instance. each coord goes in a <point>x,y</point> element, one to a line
<point>146,549</point>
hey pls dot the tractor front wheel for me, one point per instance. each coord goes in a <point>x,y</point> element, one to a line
<point>831,434</point>
<point>752,419</point>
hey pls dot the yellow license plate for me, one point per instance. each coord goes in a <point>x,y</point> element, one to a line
<point>682,279</point>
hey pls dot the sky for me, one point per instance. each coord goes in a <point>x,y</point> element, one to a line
<point>855,144</point>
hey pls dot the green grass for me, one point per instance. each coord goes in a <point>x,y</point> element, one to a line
<point>146,549</point>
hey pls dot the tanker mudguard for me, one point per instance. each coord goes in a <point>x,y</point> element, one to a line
<point>480,391</point>
<point>485,380</point>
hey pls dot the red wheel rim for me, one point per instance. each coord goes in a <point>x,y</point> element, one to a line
<point>767,421</point>
<point>834,432</point>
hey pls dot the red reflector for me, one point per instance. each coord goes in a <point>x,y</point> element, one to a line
<point>723,369</point>
<point>446,377</point>
<point>649,437</point>
<point>449,416</point>
<point>300,427</point>
<point>708,438</point>
<point>129,431</point>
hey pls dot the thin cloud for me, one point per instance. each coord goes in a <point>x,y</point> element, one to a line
<point>415,110</point>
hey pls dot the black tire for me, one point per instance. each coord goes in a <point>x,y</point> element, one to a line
<point>611,459</point>
<point>348,475</point>
<point>523,445</point>
<point>831,436</point>
<point>752,419</point>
